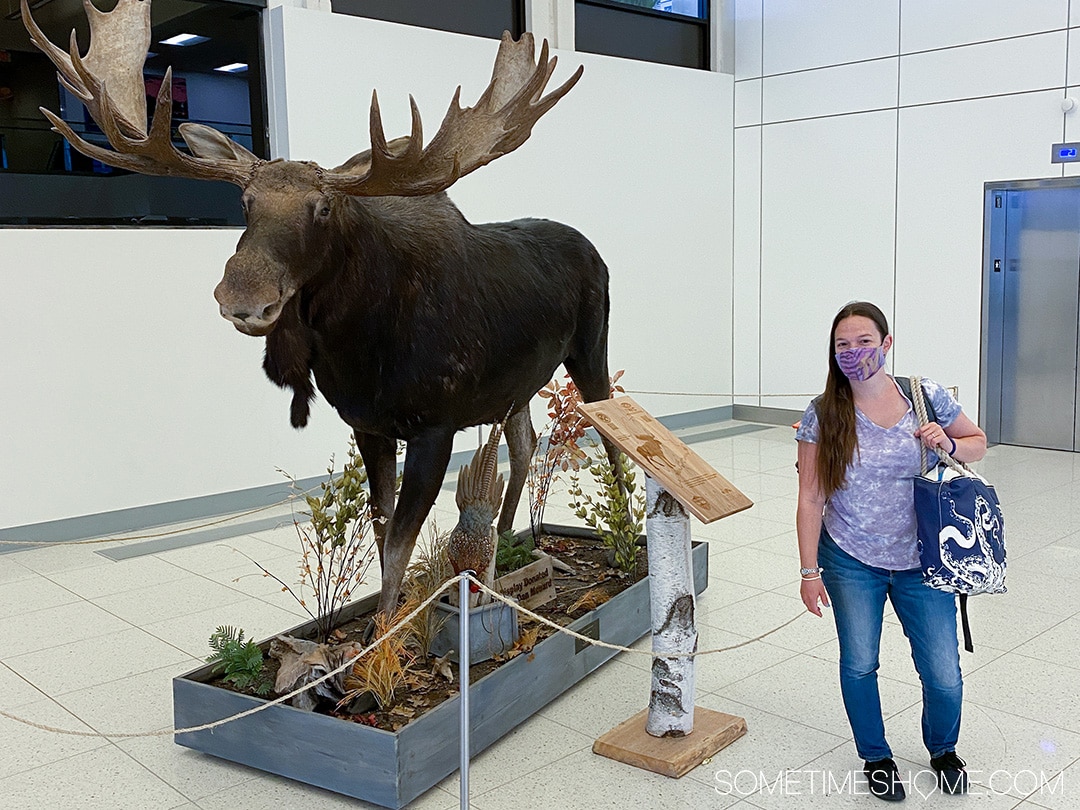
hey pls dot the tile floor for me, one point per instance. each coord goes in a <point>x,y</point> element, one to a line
<point>89,644</point>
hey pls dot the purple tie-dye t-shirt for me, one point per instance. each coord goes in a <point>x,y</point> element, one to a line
<point>872,517</point>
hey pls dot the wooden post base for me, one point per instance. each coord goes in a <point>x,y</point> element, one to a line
<point>671,756</point>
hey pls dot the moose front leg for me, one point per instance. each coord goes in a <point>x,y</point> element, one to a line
<point>380,461</point>
<point>426,459</point>
<point>520,444</point>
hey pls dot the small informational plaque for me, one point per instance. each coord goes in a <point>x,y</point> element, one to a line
<point>530,586</point>
<point>705,493</point>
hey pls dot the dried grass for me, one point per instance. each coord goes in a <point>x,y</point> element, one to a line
<point>388,667</point>
<point>425,575</point>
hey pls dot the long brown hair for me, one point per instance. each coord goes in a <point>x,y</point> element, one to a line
<point>836,407</point>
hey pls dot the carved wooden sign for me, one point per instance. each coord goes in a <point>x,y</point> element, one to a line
<point>531,586</point>
<point>705,493</point>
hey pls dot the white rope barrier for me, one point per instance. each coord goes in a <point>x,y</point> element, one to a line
<point>751,395</point>
<point>390,632</point>
<point>631,650</point>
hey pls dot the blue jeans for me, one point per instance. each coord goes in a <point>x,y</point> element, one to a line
<point>857,593</point>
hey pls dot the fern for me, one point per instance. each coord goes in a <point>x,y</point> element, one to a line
<point>241,661</point>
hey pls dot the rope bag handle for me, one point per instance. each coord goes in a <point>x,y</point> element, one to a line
<point>920,409</point>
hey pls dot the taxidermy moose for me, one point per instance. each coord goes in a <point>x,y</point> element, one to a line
<point>413,322</point>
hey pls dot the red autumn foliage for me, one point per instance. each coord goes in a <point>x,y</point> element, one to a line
<point>557,447</point>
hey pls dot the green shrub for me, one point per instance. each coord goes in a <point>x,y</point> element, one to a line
<point>337,546</point>
<point>616,513</point>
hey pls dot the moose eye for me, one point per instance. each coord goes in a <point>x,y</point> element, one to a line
<point>322,212</point>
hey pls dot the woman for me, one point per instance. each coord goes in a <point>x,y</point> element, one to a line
<point>858,452</point>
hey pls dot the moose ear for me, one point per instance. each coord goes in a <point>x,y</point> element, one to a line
<point>207,142</point>
<point>360,163</point>
<point>357,164</point>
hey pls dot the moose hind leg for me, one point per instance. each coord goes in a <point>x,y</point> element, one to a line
<point>520,444</point>
<point>380,462</point>
<point>592,379</point>
<point>426,459</point>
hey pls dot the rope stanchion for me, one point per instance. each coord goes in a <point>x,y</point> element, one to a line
<point>466,577</point>
<point>597,643</point>
<point>464,656</point>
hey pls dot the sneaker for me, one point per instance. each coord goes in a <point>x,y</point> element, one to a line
<point>884,779</point>
<point>952,778</point>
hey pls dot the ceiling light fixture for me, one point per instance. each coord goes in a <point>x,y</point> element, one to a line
<point>235,67</point>
<point>184,39</point>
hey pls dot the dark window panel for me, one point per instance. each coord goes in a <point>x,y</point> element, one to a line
<point>688,8</point>
<point>44,181</point>
<point>484,18</point>
<point>617,29</point>
<point>122,199</point>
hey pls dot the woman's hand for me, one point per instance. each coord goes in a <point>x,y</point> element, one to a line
<point>933,436</point>
<point>813,592</point>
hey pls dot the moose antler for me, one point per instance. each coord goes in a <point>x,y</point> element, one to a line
<point>119,40</point>
<point>468,138</point>
<point>109,81</point>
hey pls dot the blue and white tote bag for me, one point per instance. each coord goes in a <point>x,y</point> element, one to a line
<point>961,528</point>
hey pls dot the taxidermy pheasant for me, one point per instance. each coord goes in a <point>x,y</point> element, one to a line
<point>473,541</point>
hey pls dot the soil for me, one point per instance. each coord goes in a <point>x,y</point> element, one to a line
<point>592,583</point>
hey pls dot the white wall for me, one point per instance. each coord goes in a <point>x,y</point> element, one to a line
<point>123,386</point>
<point>864,133</point>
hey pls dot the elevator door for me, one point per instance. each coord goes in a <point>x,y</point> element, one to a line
<point>1034,275</point>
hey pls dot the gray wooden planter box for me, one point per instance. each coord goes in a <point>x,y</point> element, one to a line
<point>393,768</point>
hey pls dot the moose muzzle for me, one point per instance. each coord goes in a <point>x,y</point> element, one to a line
<point>252,305</point>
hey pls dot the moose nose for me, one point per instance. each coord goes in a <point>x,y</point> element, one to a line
<point>266,313</point>
<point>257,316</point>
<point>269,312</point>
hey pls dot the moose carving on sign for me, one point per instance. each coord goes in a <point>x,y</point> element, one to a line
<point>413,322</point>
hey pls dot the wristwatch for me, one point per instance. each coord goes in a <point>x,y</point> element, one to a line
<point>808,571</point>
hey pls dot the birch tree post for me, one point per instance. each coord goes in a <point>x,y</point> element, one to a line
<point>671,588</point>
<point>671,736</point>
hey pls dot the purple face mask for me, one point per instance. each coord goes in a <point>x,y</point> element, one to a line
<point>861,363</point>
